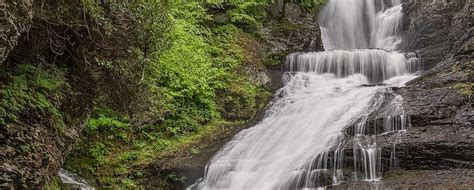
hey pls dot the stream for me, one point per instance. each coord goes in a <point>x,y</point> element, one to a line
<point>73,180</point>
<point>299,142</point>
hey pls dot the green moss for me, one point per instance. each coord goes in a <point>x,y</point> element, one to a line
<point>24,148</point>
<point>464,89</point>
<point>285,27</point>
<point>116,167</point>
<point>176,178</point>
<point>313,5</point>
<point>271,62</point>
<point>34,88</point>
<point>56,184</point>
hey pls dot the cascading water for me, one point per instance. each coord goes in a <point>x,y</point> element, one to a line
<point>299,143</point>
<point>361,24</point>
<point>73,180</point>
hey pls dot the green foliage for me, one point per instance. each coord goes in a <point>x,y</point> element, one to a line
<point>31,88</point>
<point>176,178</point>
<point>161,144</point>
<point>194,151</point>
<point>313,5</point>
<point>128,156</point>
<point>99,151</point>
<point>226,54</point>
<point>55,184</point>
<point>96,12</point>
<point>192,12</point>
<point>103,132</point>
<point>186,77</point>
<point>152,24</point>
<point>464,89</point>
<point>248,15</point>
<point>24,148</point>
<point>178,80</point>
<point>104,123</point>
<point>128,183</point>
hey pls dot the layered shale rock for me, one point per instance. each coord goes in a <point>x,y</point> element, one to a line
<point>291,28</point>
<point>440,101</point>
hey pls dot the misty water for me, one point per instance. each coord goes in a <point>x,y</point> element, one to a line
<point>73,180</point>
<point>324,94</point>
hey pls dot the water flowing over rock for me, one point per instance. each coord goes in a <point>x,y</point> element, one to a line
<point>376,65</point>
<point>300,143</point>
<point>440,101</point>
<point>73,180</point>
<point>363,24</point>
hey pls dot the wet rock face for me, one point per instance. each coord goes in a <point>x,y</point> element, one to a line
<point>15,19</point>
<point>417,179</point>
<point>291,28</point>
<point>440,101</point>
<point>435,29</point>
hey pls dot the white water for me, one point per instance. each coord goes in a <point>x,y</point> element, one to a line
<point>376,65</point>
<point>73,180</point>
<point>361,24</point>
<point>325,92</point>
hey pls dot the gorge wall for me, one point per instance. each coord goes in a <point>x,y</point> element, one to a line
<point>33,148</point>
<point>437,149</point>
<point>440,101</point>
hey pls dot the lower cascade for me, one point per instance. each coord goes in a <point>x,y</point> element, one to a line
<point>332,107</point>
<point>73,180</point>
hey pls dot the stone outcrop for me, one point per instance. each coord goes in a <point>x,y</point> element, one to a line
<point>436,29</point>
<point>417,179</point>
<point>33,148</point>
<point>34,145</point>
<point>15,20</point>
<point>439,101</point>
<point>438,146</point>
<point>292,28</point>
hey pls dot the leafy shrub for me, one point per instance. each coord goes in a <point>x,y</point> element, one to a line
<point>128,156</point>
<point>99,152</point>
<point>186,75</point>
<point>248,15</point>
<point>31,87</point>
<point>176,178</point>
<point>171,90</point>
<point>313,5</point>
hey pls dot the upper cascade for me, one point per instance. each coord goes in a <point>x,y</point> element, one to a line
<point>361,24</point>
<point>377,65</point>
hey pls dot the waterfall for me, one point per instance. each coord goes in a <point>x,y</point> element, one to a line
<point>362,24</point>
<point>376,65</point>
<point>300,142</point>
<point>73,180</point>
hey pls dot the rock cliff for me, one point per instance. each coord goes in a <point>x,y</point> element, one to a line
<point>437,149</point>
<point>47,92</point>
<point>439,101</point>
<point>15,20</point>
